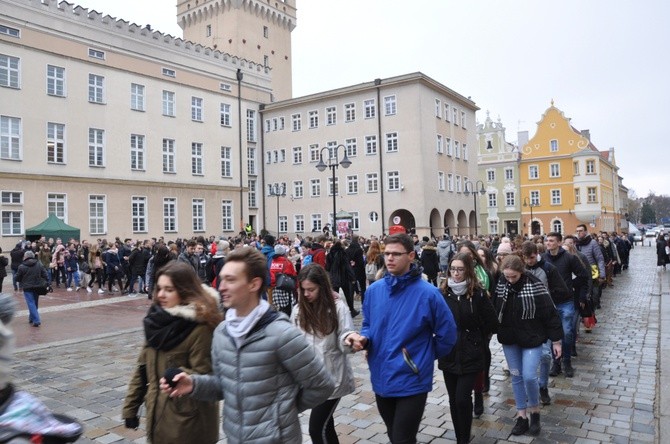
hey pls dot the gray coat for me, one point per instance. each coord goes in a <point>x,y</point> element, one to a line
<point>265,384</point>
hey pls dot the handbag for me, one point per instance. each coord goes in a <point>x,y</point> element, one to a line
<point>285,282</point>
<point>41,291</point>
<point>595,274</point>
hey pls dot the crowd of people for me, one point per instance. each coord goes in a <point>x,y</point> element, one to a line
<point>287,307</point>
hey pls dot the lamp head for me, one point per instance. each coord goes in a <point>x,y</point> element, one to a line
<point>345,162</point>
<point>321,166</point>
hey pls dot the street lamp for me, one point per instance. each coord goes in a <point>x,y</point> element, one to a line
<point>529,203</point>
<point>333,164</point>
<point>278,191</point>
<point>474,192</point>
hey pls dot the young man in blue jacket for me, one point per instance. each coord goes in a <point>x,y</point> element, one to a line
<point>406,326</point>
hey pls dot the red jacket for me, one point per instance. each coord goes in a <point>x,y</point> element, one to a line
<point>280,264</point>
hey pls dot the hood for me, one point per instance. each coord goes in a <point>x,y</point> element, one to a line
<point>163,330</point>
<point>268,251</point>
<point>429,248</point>
<point>444,243</point>
<point>560,253</point>
<point>397,283</point>
<point>30,262</point>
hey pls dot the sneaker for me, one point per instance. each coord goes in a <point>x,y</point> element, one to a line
<point>77,288</point>
<point>555,369</point>
<point>505,370</point>
<point>569,371</point>
<point>101,291</point>
<point>521,426</point>
<point>545,399</point>
<point>88,290</point>
<point>479,405</point>
<point>535,427</point>
<point>69,289</point>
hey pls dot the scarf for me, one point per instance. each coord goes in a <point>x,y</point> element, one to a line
<point>459,288</point>
<point>239,326</point>
<point>165,331</point>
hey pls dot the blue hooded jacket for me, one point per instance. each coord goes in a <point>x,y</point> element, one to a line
<point>405,312</point>
<point>269,253</point>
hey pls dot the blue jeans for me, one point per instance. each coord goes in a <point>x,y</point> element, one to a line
<point>545,363</point>
<point>523,363</point>
<point>73,274</point>
<point>566,311</point>
<point>31,302</point>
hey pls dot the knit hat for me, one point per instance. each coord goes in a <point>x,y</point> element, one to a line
<point>28,255</point>
<point>7,307</point>
<point>504,248</point>
<point>280,250</point>
<point>222,247</point>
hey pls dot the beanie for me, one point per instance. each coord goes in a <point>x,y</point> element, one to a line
<point>280,250</point>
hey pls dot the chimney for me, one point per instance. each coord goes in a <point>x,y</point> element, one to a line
<point>586,133</point>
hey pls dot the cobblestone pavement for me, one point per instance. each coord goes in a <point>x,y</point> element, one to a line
<point>80,360</point>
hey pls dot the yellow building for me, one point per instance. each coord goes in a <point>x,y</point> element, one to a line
<point>566,180</point>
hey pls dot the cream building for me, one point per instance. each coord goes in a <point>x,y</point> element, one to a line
<point>124,131</point>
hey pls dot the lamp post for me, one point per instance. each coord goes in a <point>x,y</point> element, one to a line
<point>333,164</point>
<point>529,203</point>
<point>475,192</point>
<point>278,191</point>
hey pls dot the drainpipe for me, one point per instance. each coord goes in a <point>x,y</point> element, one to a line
<point>239,124</point>
<point>262,161</point>
<point>378,82</point>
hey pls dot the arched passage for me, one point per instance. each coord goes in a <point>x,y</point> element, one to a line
<point>449,222</point>
<point>462,226</point>
<point>403,217</point>
<point>435,223</point>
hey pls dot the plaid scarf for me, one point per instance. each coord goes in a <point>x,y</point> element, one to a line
<point>526,296</point>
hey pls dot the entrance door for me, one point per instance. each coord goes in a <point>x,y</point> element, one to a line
<point>512,227</point>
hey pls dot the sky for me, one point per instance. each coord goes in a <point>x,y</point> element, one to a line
<point>604,63</point>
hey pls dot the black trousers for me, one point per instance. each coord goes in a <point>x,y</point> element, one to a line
<point>321,423</point>
<point>402,416</point>
<point>459,388</point>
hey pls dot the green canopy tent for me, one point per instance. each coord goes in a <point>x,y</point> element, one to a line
<point>52,227</point>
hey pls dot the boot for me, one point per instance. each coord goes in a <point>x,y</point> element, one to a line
<point>545,399</point>
<point>569,371</point>
<point>521,426</point>
<point>535,427</point>
<point>555,369</point>
<point>479,404</point>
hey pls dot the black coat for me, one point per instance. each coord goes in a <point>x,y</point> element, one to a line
<point>355,255</point>
<point>475,320</point>
<point>337,264</point>
<point>31,274</point>
<point>430,261</point>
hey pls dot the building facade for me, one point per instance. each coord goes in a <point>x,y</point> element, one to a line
<point>499,172</point>
<point>566,180</point>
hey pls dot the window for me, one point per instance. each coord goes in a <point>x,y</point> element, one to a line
<point>463,119</point>
<point>533,172</point>
<point>331,115</point>
<point>491,175</point>
<point>96,88</point>
<point>168,104</point>
<point>97,214</point>
<point>226,161</point>
<point>557,226</point>
<point>370,145</point>
<point>509,199</point>
<point>493,227</point>
<point>535,198</point>
<point>55,81</point>
<point>12,223</point>
<point>555,197</point>
<point>372,182</point>
<point>298,192</point>
<point>509,174</point>
<point>447,112</point>
<point>554,170</point>
<point>333,189</point>
<point>10,138</point>
<point>440,180</point>
<point>12,198</point>
<point>198,214</point>
<point>251,161</point>
<point>578,198</point>
<point>252,201</point>
<point>314,153</point>
<point>438,108</point>
<point>283,224</point>
<point>592,195</point>
<point>440,149</point>
<point>313,119</point>
<point>297,155</point>
<point>370,109</point>
<point>315,188</point>
<point>168,156</point>
<point>450,182</point>
<point>227,215</point>
<point>299,223</point>
<point>390,105</point>
<point>196,109</point>
<point>167,72</point>
<point>492,200</point>
<point>459,184</point>
<point>466,156</point>
<point>392,142</point>
<point>282,155</point>
<point>225,87</point>
<point>296,122</point>
<point>55,143</point>
<point>96,54</point>
<point>355,221</point>
<point>208,31</point>
<point>196,159</point>
<point>316,222</point>
<point>139,214</point>
<point>351,147</point>
<point>57,205</point>
<point>455,115</point>
<point>553,145</point>
<point>575,168</point>
<point>447,144</point>
<point>457,149</point>
<point>251,125</point>
<point>349,112</point>
<point>12,32</point>
<point>266,32</point>
<point>137,100</point>
<point>590,167</point>
<point>96,147</point>
<point>282,123</point>
<point>169,214</point>
<point>225,114</point>
<point>136,152</point>
<point>373,216</point>
<point>393,180</point>
<point>352,184</point>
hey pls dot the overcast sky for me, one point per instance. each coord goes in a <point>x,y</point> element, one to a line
<point>605,63</point>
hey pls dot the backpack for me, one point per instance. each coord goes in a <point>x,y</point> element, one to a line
<point>306,260</point>
<point>371,271</point>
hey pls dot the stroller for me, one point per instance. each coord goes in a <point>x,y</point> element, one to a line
<point>25,419</point>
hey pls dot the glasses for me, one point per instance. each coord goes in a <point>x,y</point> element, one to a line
<point>457,269</point>
<point>394,254</point>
